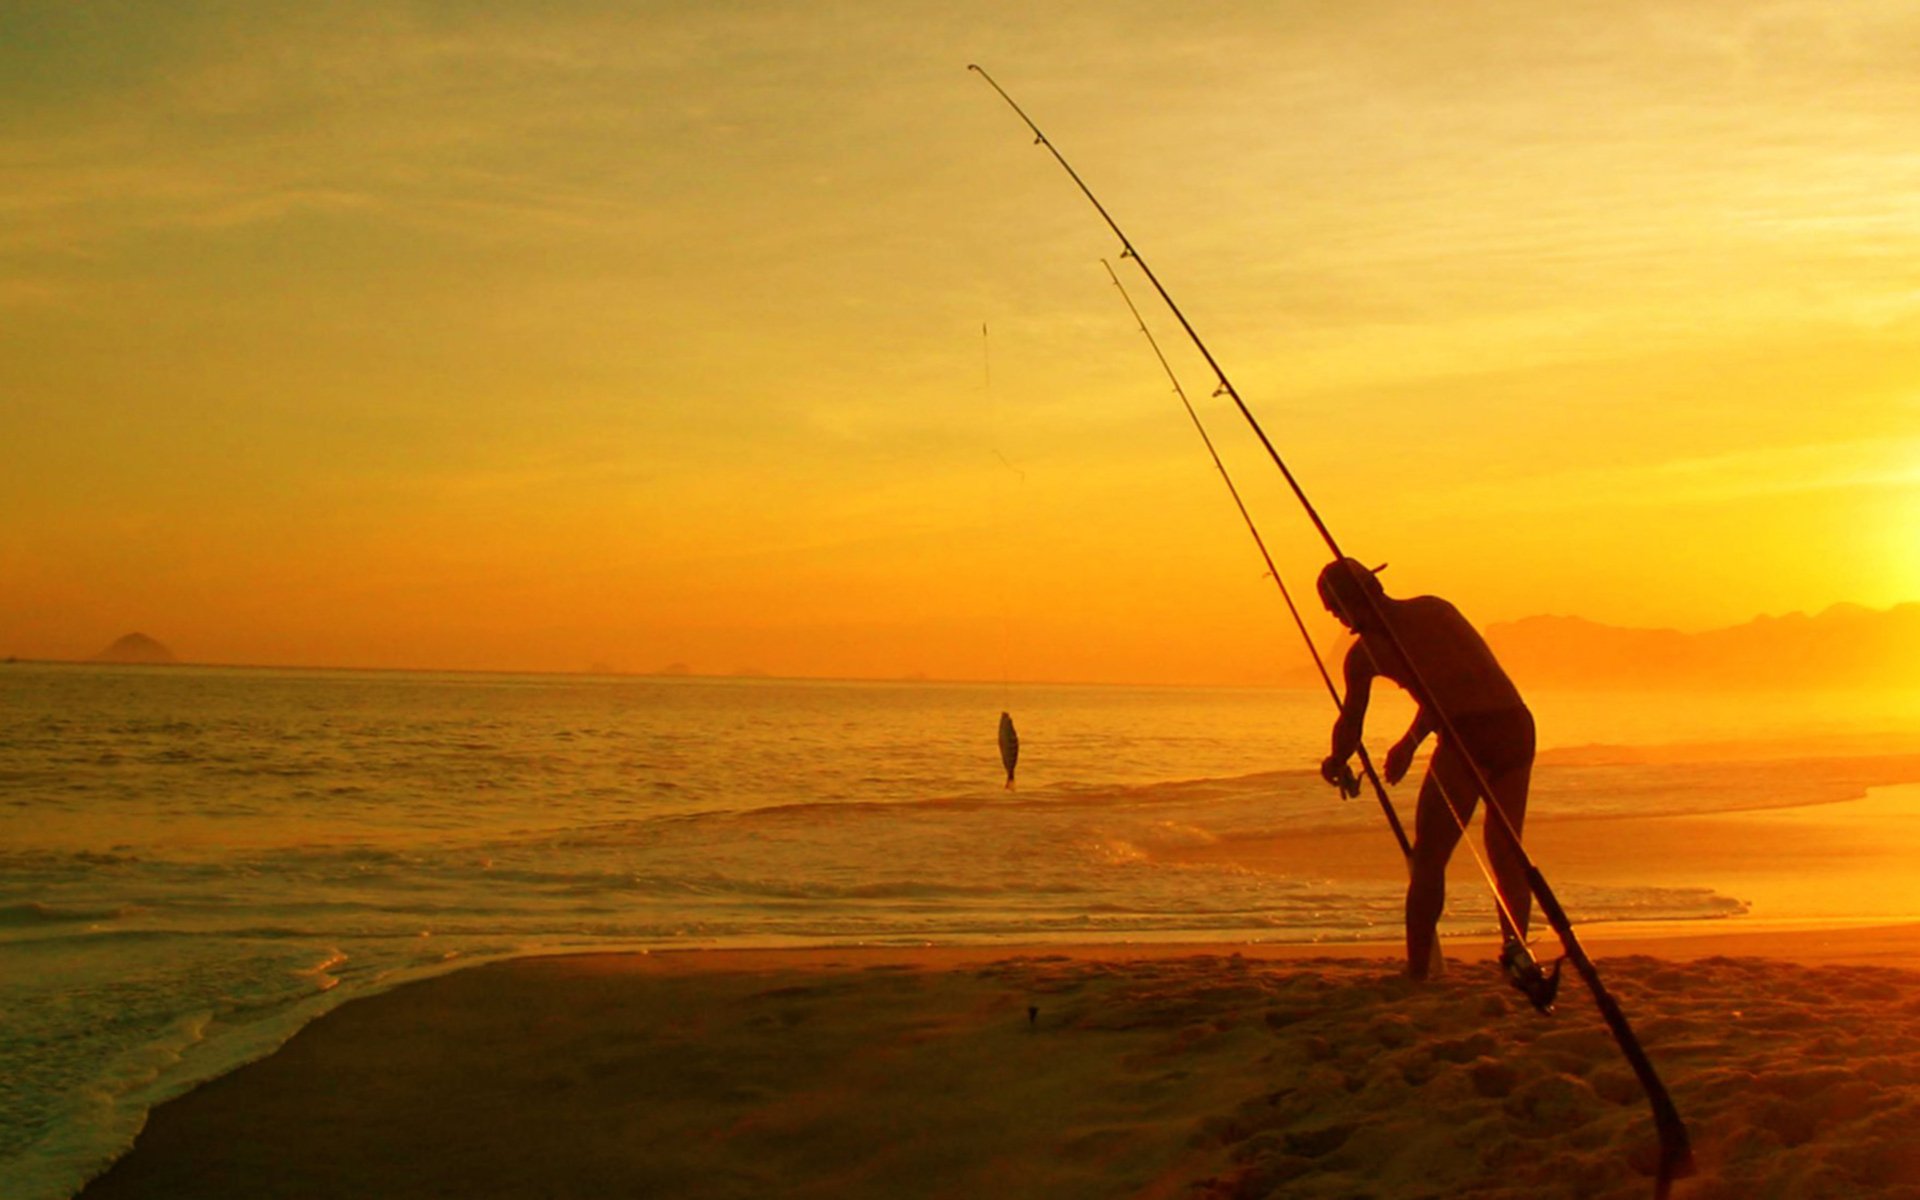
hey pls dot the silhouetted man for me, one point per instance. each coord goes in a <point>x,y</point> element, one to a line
<point>1463,679</point>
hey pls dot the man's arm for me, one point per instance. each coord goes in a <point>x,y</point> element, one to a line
<point>1353,709</point>
<point>1353,717</point>
<point>1401,756</point>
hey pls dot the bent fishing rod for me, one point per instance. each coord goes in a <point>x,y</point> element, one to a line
<point>1676,1154</point>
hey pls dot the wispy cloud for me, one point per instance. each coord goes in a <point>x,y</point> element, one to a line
<point>1727,478</point>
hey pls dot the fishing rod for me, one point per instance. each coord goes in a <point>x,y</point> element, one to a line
<point>1539,987</point>
<point>1366,761</point>
<point>1676,1154</point>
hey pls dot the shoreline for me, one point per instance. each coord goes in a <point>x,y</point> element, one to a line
<point>1847,914</point>
<point>1806,937</point>
<point>1859,940</point>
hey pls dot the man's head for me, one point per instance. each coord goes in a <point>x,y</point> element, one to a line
<point>1350,591</point>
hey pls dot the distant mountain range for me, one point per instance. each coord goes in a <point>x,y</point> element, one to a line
<point>1846,646</point>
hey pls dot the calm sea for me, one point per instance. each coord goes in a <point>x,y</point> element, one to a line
<point>196,861</point>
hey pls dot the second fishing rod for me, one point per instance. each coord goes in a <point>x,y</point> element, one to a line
<point>1676,1155</point>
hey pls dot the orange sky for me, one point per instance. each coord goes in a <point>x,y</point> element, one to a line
<point>537,337</point>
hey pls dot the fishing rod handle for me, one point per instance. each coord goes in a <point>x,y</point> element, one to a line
<point>1676,1148</point>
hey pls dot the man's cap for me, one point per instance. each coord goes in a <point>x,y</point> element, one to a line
<point>1346,585</point>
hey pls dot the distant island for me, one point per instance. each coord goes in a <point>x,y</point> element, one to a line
<point>1846,646</point>
<point>135,648</point>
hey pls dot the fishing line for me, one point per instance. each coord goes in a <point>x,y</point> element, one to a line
<point>1007,737</point>
<point>999,521</point>
<point>1676,1156</point>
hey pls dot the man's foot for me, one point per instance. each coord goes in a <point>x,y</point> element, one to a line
<point>1435,966</point>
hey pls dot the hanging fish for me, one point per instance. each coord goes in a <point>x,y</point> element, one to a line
<point>1009,746</point>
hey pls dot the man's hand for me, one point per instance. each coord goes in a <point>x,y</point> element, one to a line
<point>1398,760</point>
<point>1335,771</point>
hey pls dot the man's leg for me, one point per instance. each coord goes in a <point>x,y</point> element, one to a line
<point>1436,830</point>
<point>1509,868</point>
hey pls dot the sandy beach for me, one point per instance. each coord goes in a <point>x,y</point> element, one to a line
<point>1792,1050</point>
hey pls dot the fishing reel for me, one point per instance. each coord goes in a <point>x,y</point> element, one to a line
<point>1340,775</point>
<point>1524,973</point>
